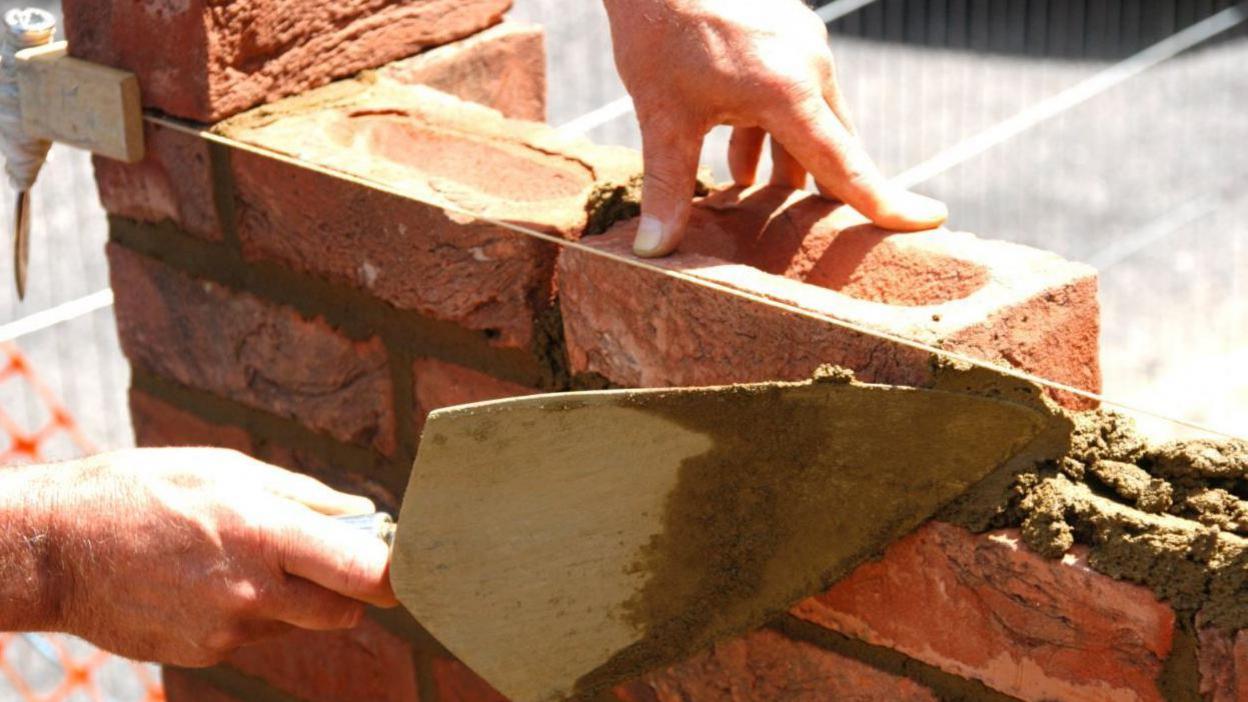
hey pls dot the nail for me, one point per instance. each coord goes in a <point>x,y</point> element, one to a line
<point>924,210</point>
<point>649,239</point>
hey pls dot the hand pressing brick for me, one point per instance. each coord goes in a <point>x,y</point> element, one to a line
<point>260,354</point>
<point>983,607</point>
<point>996,301</point>
<point>206,60</point>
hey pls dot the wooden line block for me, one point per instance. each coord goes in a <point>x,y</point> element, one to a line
<point>80,103</point>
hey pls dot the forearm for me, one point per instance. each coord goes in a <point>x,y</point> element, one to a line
<point>29,568</point>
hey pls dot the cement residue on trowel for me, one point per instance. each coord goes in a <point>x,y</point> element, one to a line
<point>803,482</point>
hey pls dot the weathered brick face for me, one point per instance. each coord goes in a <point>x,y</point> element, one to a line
<point>313,321</point>
<point>985,608</point>
<point>236,345</point>
<point>990,300</point>
<point>207,60</point>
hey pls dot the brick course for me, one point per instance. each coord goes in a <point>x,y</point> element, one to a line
<point>203,335</point>
<point>502,68</point>
<point>997,301</point>
<point>416,256</point>
<point>206,60</point>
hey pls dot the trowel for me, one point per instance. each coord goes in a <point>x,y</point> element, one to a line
<point>559,544</point>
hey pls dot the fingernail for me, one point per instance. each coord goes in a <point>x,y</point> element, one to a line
<point>925,210</point>
<point>649,236</point>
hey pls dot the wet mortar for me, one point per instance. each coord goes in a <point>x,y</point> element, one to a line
<point>1172,517</point>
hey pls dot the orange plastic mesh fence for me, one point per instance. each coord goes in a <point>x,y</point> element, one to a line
<point>48,667</point>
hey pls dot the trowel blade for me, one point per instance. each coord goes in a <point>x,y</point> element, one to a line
<point>558,544</point>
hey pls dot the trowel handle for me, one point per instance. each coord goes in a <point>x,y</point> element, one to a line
<point>379,524</point>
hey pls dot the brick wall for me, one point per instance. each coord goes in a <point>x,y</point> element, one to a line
<point>313,322</point>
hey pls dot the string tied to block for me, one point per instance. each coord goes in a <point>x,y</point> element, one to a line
<point>23,155</point>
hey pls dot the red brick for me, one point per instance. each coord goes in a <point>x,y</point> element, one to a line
<point>983,607</point>
<point>1001,302</point>
<point>413,255</point>
<point>173,182</point>
<point>184,687</point>
<point>503,67</point>
<point>158,423</point>
<point>364,663</point>
<point>206,60</point>
<point>1223,662</point>
<point>457,683</point>
<point>765,665</point>
<point>439,384</point>
<point>267,356</point>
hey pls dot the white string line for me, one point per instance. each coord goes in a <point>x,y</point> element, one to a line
<point>1073,96</point>
<point>64,312</point>
<point>624,105</point>
<point>597,117</point>
<point>835,10</point>
<point>642,264</point>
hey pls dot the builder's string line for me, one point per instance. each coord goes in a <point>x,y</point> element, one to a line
<point>643,264</point>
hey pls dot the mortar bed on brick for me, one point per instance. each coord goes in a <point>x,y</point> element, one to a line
<point>1190,548</point>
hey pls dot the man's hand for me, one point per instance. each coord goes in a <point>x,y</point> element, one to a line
<point>182,555</point>
<point>763,67</point>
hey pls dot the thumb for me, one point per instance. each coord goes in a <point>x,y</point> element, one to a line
<point>671,154</point>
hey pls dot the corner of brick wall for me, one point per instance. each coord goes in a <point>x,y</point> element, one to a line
<point>313,322</point>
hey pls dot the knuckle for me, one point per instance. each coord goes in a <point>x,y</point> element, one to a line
<point>248,598</point>
<point>661,183</point>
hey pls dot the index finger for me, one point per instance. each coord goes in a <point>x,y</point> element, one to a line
<point>840,165</point>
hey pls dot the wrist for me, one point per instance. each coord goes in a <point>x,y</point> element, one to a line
<point>33,581</point>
